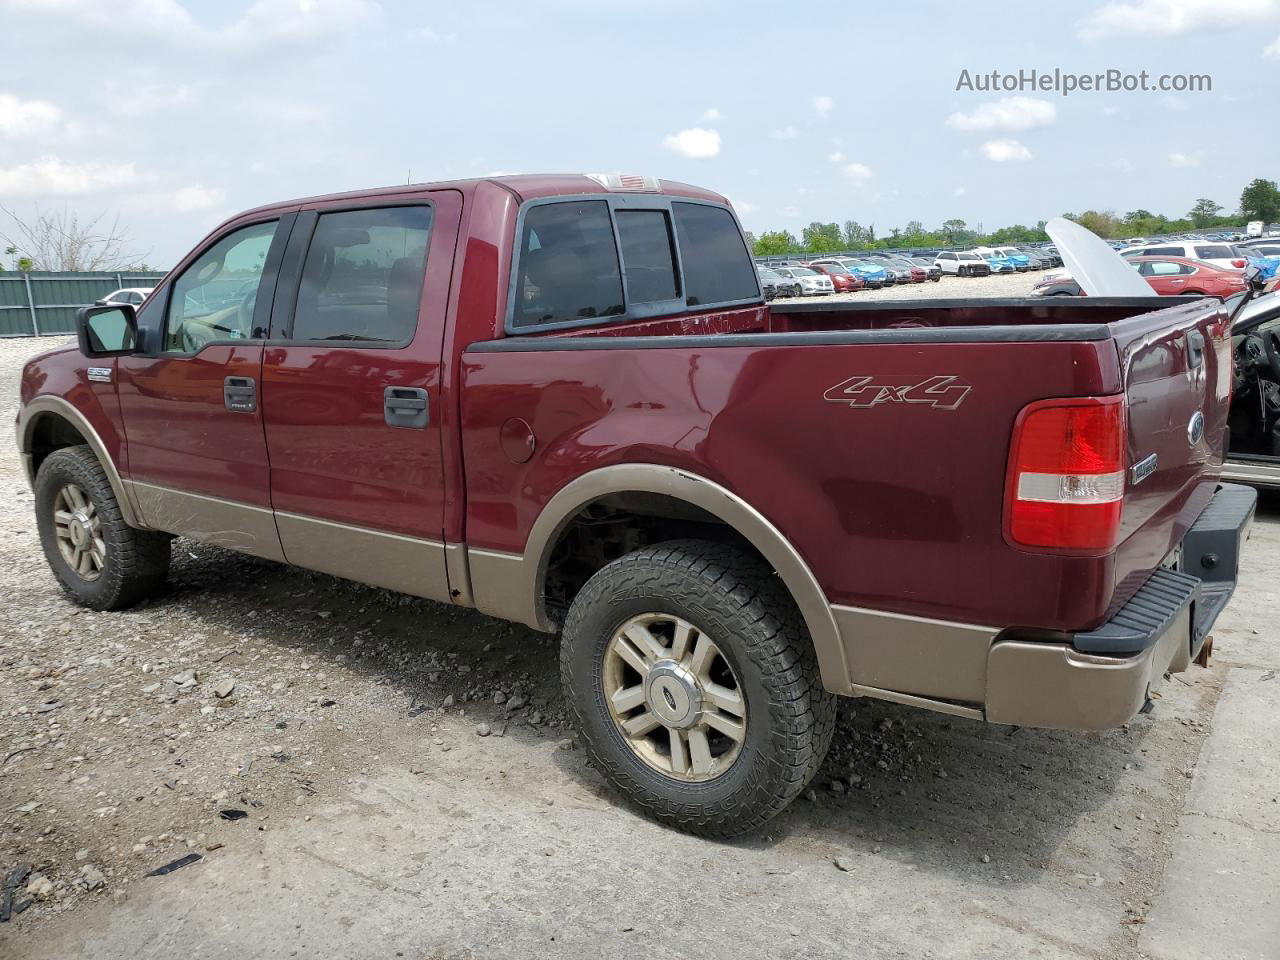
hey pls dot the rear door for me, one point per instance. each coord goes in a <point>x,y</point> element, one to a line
<point>197,457</point>
<point>351,391</point>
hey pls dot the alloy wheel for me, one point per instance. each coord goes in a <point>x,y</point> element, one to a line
<point>79,531</point>
<point>674,697</point>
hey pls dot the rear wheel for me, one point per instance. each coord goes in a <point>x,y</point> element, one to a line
<point>695,687</point>
<point>962,272</point>
<point>99,560</point>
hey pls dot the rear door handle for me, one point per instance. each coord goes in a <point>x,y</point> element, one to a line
<point>240,394</point>
<point>405,407</point>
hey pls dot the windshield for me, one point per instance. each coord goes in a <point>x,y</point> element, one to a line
<point>768,274</point>
<point>803,272</point>
<point>835,268</point>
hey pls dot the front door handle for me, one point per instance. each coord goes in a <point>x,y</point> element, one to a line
<point>405,407</point>
<point>240,394</point>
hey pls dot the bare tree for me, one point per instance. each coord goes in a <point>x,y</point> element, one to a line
<point>64,242</point>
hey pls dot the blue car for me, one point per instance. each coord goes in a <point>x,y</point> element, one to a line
<point>875,276</point>
<point>1269,265</point>
<point>999,264</point>
<point>1021,262</point>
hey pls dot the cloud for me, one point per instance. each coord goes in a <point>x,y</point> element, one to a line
<point>786,133</point>
<point>266,24</point>
<point>859,173</point>
<point>1184,161</point>
<point>1272,51</point>
<point>51,176</point>
<point>1174,104</point>
<point>197,197</point>
<point>1122,164</point>
<point>696,142</point>
<point>1110,111</point>
<point>711,115</point>
<point>789,211</point>
<point>148,98</point>
<point>1007,115</point>
<point>823,106</point>
<point>1003,151</point>
<point>1171,18</point>
<point>959,191</point>
<point>27,118</point>
<point>836,157</point>
<point>429,35</point>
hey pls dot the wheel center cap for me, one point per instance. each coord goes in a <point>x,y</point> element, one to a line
<point>79,529</point>
<point>672,693</point>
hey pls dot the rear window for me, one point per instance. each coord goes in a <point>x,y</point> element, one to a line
<point>1160,252</point>
<point>1219,251</point>
<point>647,252</point>
<point>717,267</point>
<point>568,265</point>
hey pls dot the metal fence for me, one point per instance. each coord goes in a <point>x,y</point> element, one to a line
<point>36,304</point>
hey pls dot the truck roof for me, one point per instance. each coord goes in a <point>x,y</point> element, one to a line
<point>524,186</point>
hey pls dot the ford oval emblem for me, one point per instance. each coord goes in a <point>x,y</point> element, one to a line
<point>1195,428</point>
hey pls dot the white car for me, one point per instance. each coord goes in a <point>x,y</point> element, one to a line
<point>1223,255</point>
<point>962,264</point>
<point>130,295</point>
<point>812,283</point>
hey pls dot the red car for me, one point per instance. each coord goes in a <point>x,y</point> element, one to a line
<point>843,280</point>
<point>562,401</point>
<point>1179,276</point>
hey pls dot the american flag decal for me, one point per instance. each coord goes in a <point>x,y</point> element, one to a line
<point>626,182</point>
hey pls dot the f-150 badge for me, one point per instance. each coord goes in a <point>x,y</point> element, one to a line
<point>944,393</point>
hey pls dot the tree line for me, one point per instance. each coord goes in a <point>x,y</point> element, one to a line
<point>1260,200</point>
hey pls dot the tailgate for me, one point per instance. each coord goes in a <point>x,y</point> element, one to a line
<point>1175,366</point>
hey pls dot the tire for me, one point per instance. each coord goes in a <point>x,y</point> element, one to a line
<point>962,272</point>
<point>765,658</point>
<point>121,565</point>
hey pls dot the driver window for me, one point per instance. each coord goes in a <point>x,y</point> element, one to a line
<point>215,296</point>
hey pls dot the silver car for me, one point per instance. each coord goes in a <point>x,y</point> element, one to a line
<point>812,283</point>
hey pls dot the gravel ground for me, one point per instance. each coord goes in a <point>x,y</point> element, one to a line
<point>409,788</point>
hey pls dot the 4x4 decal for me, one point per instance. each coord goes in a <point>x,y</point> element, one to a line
<point>944,393</point>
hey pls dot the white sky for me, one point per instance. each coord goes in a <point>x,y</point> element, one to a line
<point>179,114</point>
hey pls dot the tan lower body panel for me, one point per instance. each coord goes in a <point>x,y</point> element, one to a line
<point>937,659</point>
<point>1053,685</point>
<point>407,564</point>
<point>498,585</point>
<point>223,523</point>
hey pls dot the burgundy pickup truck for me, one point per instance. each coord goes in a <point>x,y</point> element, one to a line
<point>562,400</point>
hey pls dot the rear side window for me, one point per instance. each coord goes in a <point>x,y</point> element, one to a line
<point>1160,252</point>
<point>362,280</point>
<point>648,254</point>
<point>717,267</point>
<point>568,265</point>
<point>1218,251</point>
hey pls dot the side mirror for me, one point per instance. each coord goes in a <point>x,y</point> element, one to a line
<point>107,331</point>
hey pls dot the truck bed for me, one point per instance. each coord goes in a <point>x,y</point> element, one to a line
<point>897,506</point>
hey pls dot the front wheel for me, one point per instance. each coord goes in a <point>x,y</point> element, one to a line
<point>100,561</point>
<point>695,687</point>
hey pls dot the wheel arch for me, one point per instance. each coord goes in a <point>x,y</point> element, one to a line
<point>516,586</point>
<point>48,423</point>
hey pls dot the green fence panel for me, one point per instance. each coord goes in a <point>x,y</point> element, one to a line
<point>46,303</point>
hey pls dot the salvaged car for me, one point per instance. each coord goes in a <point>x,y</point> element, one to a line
<point>562,401</point>
<point>1253,453</point>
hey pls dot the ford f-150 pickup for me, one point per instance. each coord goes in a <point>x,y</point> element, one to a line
<point>562,400</point>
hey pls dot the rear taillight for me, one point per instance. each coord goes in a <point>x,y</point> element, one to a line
<point>1238,263</point>
<point>1067,474</point>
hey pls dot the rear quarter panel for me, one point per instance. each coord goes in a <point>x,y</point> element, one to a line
<point>895,506</point>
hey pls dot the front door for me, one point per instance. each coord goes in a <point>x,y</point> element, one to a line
<point>351,392</point>
<point>197,455</point>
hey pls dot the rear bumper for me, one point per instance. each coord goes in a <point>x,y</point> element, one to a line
<point>1103,677</point>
